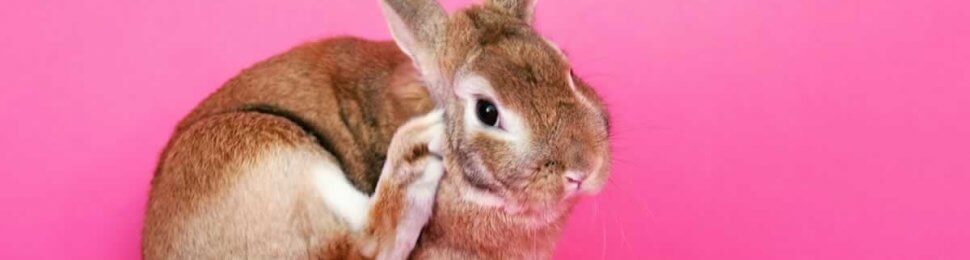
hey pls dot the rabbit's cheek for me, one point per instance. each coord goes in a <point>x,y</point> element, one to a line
<point>601,171</point>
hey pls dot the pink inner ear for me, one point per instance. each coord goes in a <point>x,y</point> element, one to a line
<point>399,31</point>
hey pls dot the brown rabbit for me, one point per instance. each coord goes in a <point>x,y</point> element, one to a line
<point>278,162</point>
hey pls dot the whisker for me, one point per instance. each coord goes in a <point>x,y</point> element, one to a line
<point>602,231</point>
<point>623,238</point>
<point>639,205</point>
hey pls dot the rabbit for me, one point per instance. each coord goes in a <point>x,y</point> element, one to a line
<point>468,136</point>
<point>524,137</point>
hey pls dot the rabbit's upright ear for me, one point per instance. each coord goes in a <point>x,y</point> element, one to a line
<point>522,9</point>
<point>418,28</point>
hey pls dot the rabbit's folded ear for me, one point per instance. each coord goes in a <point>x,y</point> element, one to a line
<point>522,9</point>
<point>418,28</point>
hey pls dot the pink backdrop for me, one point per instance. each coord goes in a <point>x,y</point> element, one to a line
<point>828,129</point>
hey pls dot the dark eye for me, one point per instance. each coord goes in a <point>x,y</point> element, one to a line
<point>487,112</point>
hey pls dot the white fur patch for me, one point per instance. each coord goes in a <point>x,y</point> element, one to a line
<point>472,87</point>
<point>340,196</point>
<point>419,195</point>
<point>419,204</point>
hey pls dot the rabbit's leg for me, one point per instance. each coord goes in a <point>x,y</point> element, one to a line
<point>240,186</point>
<point>402,203</point>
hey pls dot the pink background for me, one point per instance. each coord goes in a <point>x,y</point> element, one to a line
<point>829,129</point>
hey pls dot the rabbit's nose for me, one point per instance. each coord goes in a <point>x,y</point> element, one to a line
<point>574,180</point>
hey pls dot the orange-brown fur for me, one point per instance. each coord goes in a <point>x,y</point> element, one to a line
<point>343,100</point>
<point>530,78</point>
<point>354,93</point>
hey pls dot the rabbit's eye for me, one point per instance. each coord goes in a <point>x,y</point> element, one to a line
<point>487,112</point>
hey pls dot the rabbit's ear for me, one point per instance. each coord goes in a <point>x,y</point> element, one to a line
<point>418,28</point>
<point>522,9</point>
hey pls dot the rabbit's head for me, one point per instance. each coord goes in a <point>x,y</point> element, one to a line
<point>522,130</point>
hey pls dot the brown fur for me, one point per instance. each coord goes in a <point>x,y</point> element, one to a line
<point>529,77</point>
<point>230,184</point>
<point>344,94</point>
<point>354,92</point>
